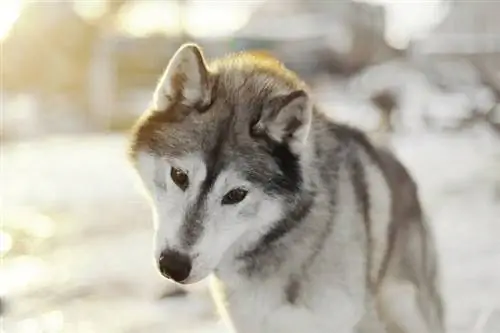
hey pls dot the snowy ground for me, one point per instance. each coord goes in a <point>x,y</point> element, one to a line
<point>80,260</point>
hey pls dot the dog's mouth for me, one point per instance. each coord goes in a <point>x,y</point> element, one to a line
<point>190,280</point>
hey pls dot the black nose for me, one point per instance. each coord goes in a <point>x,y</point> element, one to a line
<point>174,265</point>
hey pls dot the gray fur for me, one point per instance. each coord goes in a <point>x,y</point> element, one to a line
<point>328,235</point>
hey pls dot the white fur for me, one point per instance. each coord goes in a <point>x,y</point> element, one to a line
<point>227,228</point>
<point>334,296</point>
<point>400,304</point>
<point>169,201</point>
<point>335,305</point>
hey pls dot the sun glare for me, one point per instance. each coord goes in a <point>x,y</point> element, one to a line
<point>212,18</point>
<point>9,12</point>
<point>217,18</point>
<point>139,19</point>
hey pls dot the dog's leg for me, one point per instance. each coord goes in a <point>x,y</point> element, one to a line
<point>371,322</point>
<point>408,296</point>
<point>402,306</point>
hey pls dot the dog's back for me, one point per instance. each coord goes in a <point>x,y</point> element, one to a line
<point>401,265</point>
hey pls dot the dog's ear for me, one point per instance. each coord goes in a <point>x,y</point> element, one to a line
<point>185,80</point>
<point>286,119</point>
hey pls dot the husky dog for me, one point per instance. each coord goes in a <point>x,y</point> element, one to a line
<point>304,225</point>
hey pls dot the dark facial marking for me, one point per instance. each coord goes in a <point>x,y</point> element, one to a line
<point>287,178</point>
<point>192,227</point>
<point>254,256</point>
<point>287,224</point>
<point>290,178</point>
<point>193,220</point>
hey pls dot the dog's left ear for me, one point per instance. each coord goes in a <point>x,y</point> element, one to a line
<point>185,80</point>
<point>286,119</point>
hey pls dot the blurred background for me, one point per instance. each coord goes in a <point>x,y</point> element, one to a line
<point>75,243</point>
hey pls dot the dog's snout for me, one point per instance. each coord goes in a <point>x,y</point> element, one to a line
<point>174,265</point>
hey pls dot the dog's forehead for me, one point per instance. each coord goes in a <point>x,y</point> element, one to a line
<point>218,141</point>
<point>219,153</point>
<point>218,149</point>
<point>221,134</point>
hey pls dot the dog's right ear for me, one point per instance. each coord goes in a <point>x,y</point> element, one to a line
<point>286,119</point>
<point>186,80</point>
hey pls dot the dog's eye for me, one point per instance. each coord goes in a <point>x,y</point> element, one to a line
<point>180,178</point>
<point>234,196</point>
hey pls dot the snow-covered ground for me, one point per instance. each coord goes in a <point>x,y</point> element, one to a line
<point>79,237</point>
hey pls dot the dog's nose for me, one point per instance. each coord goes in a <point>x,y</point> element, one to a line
<point>174,265</point>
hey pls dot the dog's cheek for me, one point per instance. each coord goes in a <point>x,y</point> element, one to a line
<point>249,211</point>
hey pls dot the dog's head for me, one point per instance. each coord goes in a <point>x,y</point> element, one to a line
<point>219,152</point>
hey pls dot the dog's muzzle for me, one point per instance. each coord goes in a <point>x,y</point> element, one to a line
<point>174,265</point>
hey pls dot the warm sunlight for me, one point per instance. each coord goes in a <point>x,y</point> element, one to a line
<point>9,12</point>
<point>213,19</point>
<point>139,19</point>
<point>217,18</point>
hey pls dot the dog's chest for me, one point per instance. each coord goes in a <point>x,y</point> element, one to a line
<point>268,307</point>
<point>250,306</point>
